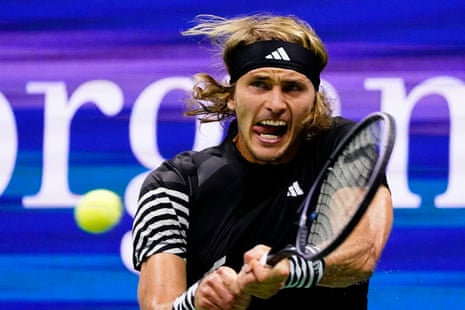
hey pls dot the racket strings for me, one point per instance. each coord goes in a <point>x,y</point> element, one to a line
<point>343,187</point>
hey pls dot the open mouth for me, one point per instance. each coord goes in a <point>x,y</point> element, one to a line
<point>271,129</point>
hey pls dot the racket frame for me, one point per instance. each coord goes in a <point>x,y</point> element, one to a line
<point>386,145</point>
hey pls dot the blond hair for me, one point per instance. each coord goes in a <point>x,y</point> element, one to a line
<point>210,97</point>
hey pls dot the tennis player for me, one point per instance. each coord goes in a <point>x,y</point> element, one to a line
<point>206,218</point>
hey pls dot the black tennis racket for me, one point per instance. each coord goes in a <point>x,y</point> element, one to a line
<point>343,189</point>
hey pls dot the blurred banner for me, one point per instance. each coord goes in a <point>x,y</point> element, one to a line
<point>93,97</point>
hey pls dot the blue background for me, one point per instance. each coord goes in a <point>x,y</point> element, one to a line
<point>47,262</point>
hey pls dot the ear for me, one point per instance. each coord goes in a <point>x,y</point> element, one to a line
<point>231,103</point>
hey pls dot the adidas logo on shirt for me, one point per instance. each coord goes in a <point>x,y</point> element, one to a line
<point>294,190</point>
<point>278,54</point>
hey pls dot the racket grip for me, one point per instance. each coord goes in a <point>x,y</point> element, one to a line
<point>272,259</point>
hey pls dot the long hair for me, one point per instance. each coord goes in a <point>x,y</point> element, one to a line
<point>210,97</point>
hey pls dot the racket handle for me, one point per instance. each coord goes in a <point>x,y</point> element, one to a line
<point>272,259</point>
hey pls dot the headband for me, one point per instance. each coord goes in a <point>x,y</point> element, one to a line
<point>274,53</point>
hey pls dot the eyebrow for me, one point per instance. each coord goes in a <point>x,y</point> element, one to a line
<point>284,80</point>
<point>260,76</point>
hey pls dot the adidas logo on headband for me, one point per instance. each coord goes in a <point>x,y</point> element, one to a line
<point>278,54</point>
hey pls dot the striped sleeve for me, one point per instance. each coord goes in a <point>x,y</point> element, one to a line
<point>160,223</point>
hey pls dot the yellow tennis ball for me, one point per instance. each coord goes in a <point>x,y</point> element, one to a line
<point>98,211</point>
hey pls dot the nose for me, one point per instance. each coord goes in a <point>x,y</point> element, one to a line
<point>275,102</point>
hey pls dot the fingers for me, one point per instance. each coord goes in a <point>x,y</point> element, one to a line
<point>220,290</point>
<point>225,289</point>
<point>259,279</point>
<point>255,260</point>
<point>256,253</point>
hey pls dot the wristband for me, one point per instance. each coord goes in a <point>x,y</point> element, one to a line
<point>185,301</point>
<point>303,273</point>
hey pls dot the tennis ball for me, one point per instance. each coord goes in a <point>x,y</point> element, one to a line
<point>98,211</point>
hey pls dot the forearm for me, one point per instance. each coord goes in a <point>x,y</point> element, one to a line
<point>162,285</point>
<point>355,260</point>
<point>158,290</point>
<point>350,264</point>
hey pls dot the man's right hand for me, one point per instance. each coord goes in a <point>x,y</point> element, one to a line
<point>220,289</point>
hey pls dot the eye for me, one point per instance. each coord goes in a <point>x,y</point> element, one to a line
<point>259,84</point>
<point>292,86</point>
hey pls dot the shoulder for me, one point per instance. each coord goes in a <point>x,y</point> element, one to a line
<point>185,168</point>
<point>339,128</point>
<point>340,125</point>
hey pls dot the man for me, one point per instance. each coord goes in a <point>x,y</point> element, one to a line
<point>206,218</point>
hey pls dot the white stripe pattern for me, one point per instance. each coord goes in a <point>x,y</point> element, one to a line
<point>160,223</point>
<point>186,301</point>
<point>303,273</point>
<point>167,191</point>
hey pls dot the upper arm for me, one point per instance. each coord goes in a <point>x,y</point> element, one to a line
<point>162,218</point>
<point>162,278</point>
<point>159,237</point>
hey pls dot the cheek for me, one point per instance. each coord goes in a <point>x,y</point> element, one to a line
<point>305,110</point>
<point>239,104</point>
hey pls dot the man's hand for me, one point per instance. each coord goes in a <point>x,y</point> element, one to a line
<point>220,290</point>
<point>260,280</point>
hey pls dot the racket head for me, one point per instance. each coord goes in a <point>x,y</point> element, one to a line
<point>345,187</point>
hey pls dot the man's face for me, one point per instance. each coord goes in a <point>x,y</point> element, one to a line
<point>271,105</point>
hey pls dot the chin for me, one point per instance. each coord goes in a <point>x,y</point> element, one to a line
<point>269,159</point>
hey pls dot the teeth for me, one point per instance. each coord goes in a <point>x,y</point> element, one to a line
<point>270,122</point>
<point>269,137</point>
